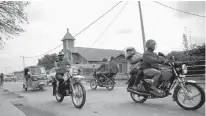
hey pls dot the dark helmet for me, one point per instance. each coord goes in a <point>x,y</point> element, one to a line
<point>150,44</point>
<point>104,60</point>
<point>112,58</point>
<point>61,53</point>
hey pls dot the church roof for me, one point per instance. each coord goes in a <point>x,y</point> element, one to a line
<point>68,36</point>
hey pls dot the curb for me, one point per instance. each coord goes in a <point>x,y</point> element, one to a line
<point>8,108</point>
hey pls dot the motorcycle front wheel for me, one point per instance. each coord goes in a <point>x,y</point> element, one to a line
<point>78,95</point>
<point>190,97</point>
<point>138,98</point>
<point>93,84</point>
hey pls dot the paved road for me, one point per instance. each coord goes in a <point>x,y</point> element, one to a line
<point>102,103</point>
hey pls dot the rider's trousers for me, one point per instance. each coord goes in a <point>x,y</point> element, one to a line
<point>153,72</point>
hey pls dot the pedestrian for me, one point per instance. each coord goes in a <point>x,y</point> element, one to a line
<point>2,79</point>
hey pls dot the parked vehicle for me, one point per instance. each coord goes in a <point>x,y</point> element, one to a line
<point>184,94</point>
<point>9,78</point>
<point>37,78</point>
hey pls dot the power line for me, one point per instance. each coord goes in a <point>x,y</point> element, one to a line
<point>109,24</point>
<point>178,9</point>
<point>81,30</point>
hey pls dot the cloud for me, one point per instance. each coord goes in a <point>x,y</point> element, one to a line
<point>125,30</point>
<point>194,7</point>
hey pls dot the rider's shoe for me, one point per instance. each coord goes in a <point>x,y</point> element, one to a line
<point>136,88</point>
<point>157,92</point>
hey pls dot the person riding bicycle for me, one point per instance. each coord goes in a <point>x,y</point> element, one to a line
<point>151,63</point>
<point>104,69</point>
<point>135,61</point>
<point>62,64</point>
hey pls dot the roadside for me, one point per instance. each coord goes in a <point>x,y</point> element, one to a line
<point>12,104</point>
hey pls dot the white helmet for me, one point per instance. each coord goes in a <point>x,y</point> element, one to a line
<point>129,51</point>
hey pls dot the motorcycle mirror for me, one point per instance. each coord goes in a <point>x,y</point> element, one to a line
<point>161,54</point>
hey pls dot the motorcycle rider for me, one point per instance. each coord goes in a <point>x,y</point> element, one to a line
<point>135,61</point>
<point>62,64</point>
<point>104,68</point>
<point>151,63</point>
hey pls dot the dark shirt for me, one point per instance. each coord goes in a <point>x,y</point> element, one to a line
<point>2,76</point>
<point>26,71</point>
<point>151,60</point>
<point>113,67</point>
<point>104,67</point>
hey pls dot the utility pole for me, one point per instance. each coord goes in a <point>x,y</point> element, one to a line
<point>6,69</point>
<point>142,25</point>
<point>23,61</point>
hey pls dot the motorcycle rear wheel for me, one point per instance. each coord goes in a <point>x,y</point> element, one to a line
<point>111,86</point>
<point>58,96</point>
<point>138,98</point>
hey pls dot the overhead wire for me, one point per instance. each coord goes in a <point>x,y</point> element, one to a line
<point>109,24</point>
<point>178,9</point>
<point>81,30</point>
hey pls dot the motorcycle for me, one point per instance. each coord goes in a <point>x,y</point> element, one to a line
<point>73,87</point>
<point>103,81</point>
<point>172,75</point>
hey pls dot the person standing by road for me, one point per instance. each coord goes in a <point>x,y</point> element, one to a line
<point>2,79</point>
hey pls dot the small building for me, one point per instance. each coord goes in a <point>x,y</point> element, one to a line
<point>90,58</point>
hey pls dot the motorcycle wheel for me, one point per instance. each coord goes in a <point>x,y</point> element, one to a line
<point>41,87</point>
<point>59,97</point>
<point>138,98</point>
<point>93,84</point>
<point>111,86</point>
<point>188,97</point>
<point>79,98</point>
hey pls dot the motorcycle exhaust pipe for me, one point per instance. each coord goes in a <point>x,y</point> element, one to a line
<point>139,93</point>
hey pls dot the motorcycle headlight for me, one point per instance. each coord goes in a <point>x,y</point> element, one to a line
<point>184,69</point>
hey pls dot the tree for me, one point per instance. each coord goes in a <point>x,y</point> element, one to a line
<point>48,61</point>
<point>12,15</point>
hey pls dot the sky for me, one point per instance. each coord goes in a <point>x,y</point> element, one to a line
<point>49,20</point>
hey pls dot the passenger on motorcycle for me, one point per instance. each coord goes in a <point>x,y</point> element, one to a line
<point>113,68</point>
<point>151,63</point>
<point>62,64</point>
<point>104,69</point>
<point>135,61</point>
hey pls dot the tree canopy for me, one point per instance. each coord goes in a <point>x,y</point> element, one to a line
<point>12,15</point>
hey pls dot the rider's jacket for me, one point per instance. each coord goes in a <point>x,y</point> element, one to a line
<point>104,67</point>
<point>135,61</point>
<point>62,64</point>
<point>113,67</point>
<point>151,60</point>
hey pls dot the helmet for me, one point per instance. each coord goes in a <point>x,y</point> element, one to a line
<point>61,53</point>
<point>151,44</point>
<point>112,58</point>
<point>130,51</point>
<point>104,60</point>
